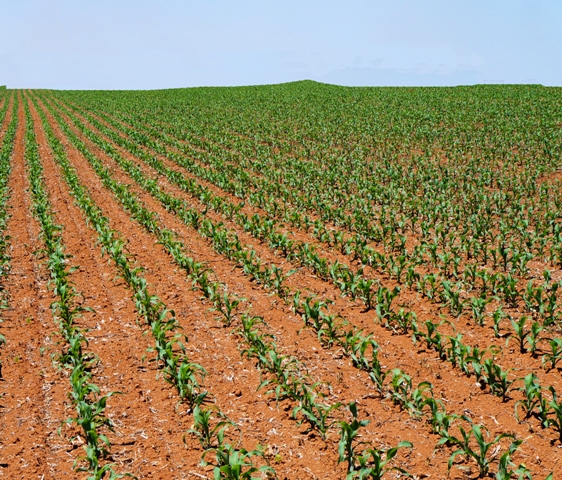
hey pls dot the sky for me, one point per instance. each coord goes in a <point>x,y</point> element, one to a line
<point>153,44</point>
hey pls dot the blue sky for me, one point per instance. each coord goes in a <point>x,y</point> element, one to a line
<point>147,44</point>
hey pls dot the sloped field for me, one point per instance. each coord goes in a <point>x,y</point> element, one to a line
<point>302,281</point>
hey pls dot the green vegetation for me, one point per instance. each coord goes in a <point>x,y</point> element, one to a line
<point>449,193</point>
<point>431,214</point>
<point>6,150</point>
<point>67,308</point>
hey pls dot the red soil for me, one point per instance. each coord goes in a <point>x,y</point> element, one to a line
<point>149,437</point>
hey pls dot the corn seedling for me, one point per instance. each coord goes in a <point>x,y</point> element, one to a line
<point>474,445</point>
<point>349,432</point>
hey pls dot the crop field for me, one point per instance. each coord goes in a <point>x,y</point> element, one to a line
<point>297,281</point>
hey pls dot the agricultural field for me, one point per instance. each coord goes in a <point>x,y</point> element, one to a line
<point>297,281</point>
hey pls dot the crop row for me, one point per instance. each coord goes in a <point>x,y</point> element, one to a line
<point>239,166</point>
<point>85,394</point>
<point>492,288</point>
<point>6,150</point>
<point>539,300</point>
<point>395,382</point>
<point>287,375</point>
<point>457,353</point>
<point>286,378</point>
<point>169,348</point>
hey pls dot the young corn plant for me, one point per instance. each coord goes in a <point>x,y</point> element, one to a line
<point>384,301</point>
<point>552,358</point>
<point>533,397</point>
<point>374,463</point>
<point>227,307</point>
<point>207,423</point>
<point>534,338</point>
<point>401,322</point>
<point>317,414</point>
<point>358,348</point>
<point>349,433</point>
<point>434,339</point>
<point>366,292</point>
<point>521,332</point>
<point>505,465</point>
<point>551,310</point>
<point>451,296</point>
<point>440,421</point>
<point>497,379</point>
<point>478,307</point>
<point>459,354</point>
<point>403,393</point>
<point>312,312</point>
<point>232,463</point>
<point>556,409</point>
<point>474,445</point>
<point>476,360</point>
<point>497,317</point>
<point>85,395</point>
